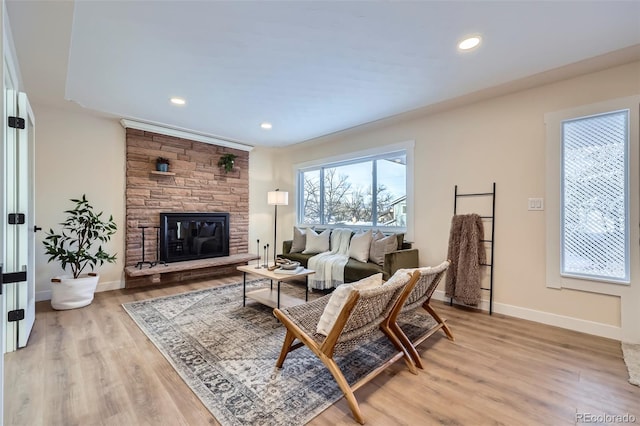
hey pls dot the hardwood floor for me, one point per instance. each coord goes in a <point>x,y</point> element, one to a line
<point>93,366</point>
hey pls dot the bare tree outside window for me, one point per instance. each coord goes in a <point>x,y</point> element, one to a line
<point>337,192</point>
<point>311,197</point>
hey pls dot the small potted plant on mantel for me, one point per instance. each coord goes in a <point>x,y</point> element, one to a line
<point>162,164</point>
<point>227,161</point>
<point>74,247</point>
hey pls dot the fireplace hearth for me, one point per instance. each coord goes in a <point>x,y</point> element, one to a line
<point>191,236</point>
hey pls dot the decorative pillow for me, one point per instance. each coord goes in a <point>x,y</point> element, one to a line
<point>316,243</point>
<point>376,236</point>
<point>339,298</point>
<point>359,246</point>
<point>382,246</point>
<point>299,240</point>
<point>403,275</point>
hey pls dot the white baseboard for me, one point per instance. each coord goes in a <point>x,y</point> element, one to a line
<point>102,286</point>
<point>110,285</point>
<point>43,295</point>
<point>570,323</point>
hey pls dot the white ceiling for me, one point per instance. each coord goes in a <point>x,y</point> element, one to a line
<point>309,67</point>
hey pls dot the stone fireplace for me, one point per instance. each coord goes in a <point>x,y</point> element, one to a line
<point>193,184</point>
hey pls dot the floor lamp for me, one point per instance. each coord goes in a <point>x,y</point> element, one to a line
<point>276,198</point>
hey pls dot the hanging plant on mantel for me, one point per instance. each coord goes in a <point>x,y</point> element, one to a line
<point>227,161</point>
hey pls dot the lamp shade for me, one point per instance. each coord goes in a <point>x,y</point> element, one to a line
<point>278,198</point>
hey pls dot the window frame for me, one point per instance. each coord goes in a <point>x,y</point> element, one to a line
<point>625,279</point>
<point>554,191</point>
<point>405,148</point>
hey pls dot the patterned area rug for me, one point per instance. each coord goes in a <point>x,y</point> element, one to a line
<point>632,359</point>
<point>226,353</point>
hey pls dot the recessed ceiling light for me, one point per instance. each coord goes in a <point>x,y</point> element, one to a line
<point>266,126</point>
<point>469,43</point>
<point>178,101</point>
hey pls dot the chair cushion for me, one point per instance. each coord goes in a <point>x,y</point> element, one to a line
<point>317,243</point>
<point>360,245</point>
<point>429,278</point>
<point>339,298</point>
<point>380,246</point>
<point>402,275</point>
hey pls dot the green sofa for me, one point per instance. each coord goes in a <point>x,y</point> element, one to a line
<point>355,270</point>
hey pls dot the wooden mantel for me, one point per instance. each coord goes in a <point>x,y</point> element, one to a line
<point>181,271</point>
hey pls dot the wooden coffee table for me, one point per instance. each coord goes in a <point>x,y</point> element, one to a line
<point>269,296</point>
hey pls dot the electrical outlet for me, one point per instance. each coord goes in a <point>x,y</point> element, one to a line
<point>536,204</point>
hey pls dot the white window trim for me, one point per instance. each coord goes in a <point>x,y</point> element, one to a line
<point>553,122</point>
<point>407,146</point>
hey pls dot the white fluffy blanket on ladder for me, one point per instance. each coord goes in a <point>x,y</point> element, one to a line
<point>329,266</point>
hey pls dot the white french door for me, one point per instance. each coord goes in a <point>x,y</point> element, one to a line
<point>26,297</point>
<point>19,228</point>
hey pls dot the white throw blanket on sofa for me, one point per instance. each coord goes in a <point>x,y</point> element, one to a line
<point>329,266</point>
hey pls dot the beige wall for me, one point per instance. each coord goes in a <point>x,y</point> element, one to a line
<point>77,153</point>
<point>499,140</point>
<point>265,176</point>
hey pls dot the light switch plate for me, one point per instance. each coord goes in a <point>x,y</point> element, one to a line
<point>536,204</point>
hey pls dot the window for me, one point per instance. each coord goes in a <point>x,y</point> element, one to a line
<point>592,192</point>
<point>368,191</point>
<point>594,198</point>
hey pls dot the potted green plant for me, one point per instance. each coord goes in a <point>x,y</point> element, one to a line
<point>162,164</point>
<point>74,247</point>
<point>227,161</point>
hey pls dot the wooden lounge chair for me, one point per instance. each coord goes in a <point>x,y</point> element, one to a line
<point>364,315</point>
<point>420,296</point>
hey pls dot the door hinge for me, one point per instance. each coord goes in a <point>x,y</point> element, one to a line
<point>14,277</point>
<point>17,315</point>
<point>16,122</point>
<point>16,218</point>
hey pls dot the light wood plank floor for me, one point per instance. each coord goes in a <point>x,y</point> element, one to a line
<point>93,366</point>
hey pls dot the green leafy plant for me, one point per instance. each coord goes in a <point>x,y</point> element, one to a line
<point>227,161</point>
<point>82,229</point>
<point>162,160</point>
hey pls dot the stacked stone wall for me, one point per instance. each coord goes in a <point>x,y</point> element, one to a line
<point>194,183</point>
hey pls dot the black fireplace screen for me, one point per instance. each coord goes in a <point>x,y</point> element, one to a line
<point>189,236</point>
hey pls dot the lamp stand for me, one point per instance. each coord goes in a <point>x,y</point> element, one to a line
<point>275,234</point>
<point>276,198</point>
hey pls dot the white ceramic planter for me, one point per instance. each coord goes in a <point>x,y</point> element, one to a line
<point>70,293</point>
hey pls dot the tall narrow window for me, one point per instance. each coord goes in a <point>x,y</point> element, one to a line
<point>595,197</point>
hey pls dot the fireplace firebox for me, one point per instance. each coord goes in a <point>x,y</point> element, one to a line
<point>190,236</point>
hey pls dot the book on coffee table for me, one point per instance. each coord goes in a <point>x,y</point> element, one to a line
<point>289,271</point>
